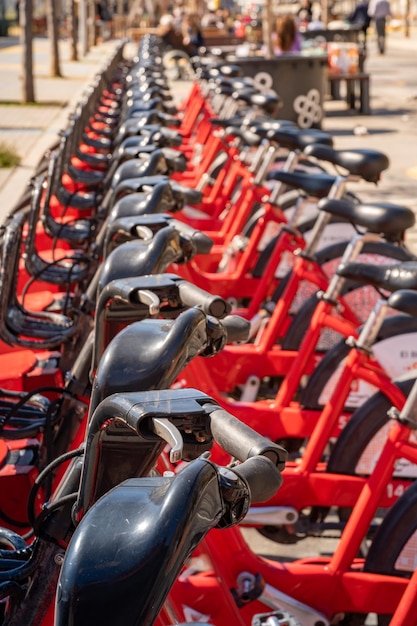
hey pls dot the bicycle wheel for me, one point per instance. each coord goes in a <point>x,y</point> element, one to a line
<point>394,548</point>
<point>360,298</point>
<point>391,348</point>
<point>357,449</point>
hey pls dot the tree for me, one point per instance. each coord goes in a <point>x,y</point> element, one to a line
<point>73,30</point>
<point>53,32</point>
<point>83,26</point>
<point>407,18</point>
<point>267,19</point>
<point>3,20</point>
<point>25,19</point>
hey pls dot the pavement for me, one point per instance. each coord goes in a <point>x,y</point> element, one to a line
<point>32,129</point>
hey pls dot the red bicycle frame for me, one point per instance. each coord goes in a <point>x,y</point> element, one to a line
<point>236,364</point>
<point>239,282</point>
<point>406,611</point>
<point>230,218</point>
<point>325,586</point>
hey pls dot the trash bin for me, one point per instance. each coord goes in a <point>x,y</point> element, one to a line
<point>299,80</point>
<point>349,32</point>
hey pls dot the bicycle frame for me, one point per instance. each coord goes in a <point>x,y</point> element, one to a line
<point>325,586</point>
<point>238,282</point>
<point>232,217</point>
<point>405,613</point>
<point>306,481</point>
<point>265,359</point>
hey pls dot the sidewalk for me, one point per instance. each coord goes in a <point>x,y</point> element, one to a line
<point>31,129</point>
<point>392,125</point>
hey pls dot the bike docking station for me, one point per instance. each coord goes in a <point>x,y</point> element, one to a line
<point>202,328</point>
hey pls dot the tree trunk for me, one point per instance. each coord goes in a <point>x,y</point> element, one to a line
<point>267,28</point>
<point>83,26</point>
<point>74,30</point>
<point>91,21</point>
<point>3,20</point>
<point>407,18</point>
<point>53,32</point>
<point>25,17</point>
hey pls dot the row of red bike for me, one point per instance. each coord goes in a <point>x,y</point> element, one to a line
<point>203,328</point>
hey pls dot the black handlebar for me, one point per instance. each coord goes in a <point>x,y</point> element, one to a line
<point>240,440</point>
<point>186,414</point>
<point>191,295</point>
<point>201,241</point>
<point>262,476</point>
<point>237,328</point>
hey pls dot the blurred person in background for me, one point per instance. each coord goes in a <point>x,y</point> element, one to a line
<point>379,11</point>
<point>305,13</point>
<point>360,17</point>
<point>192,36</point>
<point>169,34</point>
<point>285,38</point>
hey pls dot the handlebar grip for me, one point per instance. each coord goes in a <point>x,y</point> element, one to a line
<point>191,295</point>
<point>201,241</point>
<point>237,328</point>
<point>263,477</point>
<point>241,441</point>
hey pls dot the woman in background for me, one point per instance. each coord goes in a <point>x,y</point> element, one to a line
<point>286,37</point>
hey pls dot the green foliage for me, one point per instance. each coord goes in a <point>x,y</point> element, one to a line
<point>8,156</point>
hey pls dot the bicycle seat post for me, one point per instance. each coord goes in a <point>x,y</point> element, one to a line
<point>230,108</point>
<point>289,166</point>
<point>371,328</point>
<point>352,251</point>
<point>336,192</point>
<point>260,154</point>
<point>263,167</point>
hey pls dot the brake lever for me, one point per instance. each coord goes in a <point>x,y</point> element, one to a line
<point>144,233</point>
<point>167,431</point>
<point>151,300</point>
